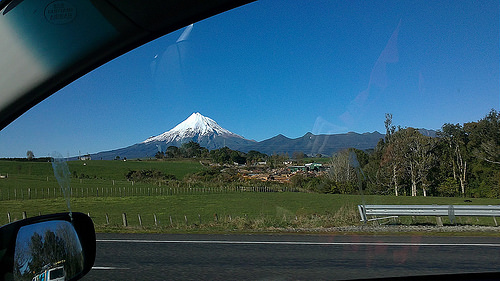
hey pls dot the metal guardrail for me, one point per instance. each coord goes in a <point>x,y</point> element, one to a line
<point>390,211</point>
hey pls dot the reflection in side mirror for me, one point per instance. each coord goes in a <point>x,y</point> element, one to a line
<point>47,251</point>
<point>49,247</point>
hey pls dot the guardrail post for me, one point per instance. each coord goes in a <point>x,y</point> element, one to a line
<point>439,221</point>
<point>451,214</point>
<point>362,213</point>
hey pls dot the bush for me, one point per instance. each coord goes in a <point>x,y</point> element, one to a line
<point>214,175</point>
<point>148,176</point>
<point>448,188</point>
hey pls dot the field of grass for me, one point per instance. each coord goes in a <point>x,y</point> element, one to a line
<point>236,211</point>
<point>111,170</point>
<point>104,193</point>
<point>229,204</point>
<point>35,180</point>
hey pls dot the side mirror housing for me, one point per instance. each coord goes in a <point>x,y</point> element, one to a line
<point>49,247</point>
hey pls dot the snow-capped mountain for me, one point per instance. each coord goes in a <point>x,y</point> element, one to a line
<point>210,135</point>
<point>194,127</point>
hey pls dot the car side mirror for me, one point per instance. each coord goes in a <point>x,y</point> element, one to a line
<point>50,247</point>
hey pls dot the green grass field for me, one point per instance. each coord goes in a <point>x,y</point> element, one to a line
<point>111,170</point>
<point>35,180</point>
<point>237,211</point>
<point>106,195</point>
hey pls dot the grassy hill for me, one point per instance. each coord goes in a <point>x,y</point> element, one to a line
<point>99,169</point>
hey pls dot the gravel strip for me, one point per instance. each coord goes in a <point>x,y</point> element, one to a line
<point>397,229</point>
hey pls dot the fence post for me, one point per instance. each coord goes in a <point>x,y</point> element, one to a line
<point>8,216</point>
<point>107,218</point>
<point>124,218</point>
<point>140,219</point>
<point>24,215</point>
<point>186,219</point>
<point>171,222</point>
<point>216,218</point>
<point>156,220</point>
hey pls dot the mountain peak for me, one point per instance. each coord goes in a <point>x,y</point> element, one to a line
<point>195,125</point>
<point>198,122</point>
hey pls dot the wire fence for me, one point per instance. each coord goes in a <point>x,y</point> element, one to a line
<point>162,220</point>
<point>28,193</point>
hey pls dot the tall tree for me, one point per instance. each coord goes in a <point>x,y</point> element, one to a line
<point>414,152</point>
<point>346,170</point>
<point>340,168</point>
<point>457,147</point>
<point>486,132</point>
<point>392,160</point>
<point>389,128</point>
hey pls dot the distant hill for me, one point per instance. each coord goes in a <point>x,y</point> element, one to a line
<point>312,144</point>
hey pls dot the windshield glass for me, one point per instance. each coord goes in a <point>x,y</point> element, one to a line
<point>41,39</point>
<point>286,118</point>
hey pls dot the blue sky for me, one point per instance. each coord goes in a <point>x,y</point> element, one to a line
<point>288,68</point>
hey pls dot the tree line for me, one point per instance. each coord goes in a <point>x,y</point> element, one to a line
<point>463,160</point>
<point>222,155</point>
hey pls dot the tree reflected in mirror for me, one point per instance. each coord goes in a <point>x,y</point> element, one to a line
<point>47,251</point>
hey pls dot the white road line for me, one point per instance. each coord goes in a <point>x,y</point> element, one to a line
<point>107,268</point>
<point>297,243</point>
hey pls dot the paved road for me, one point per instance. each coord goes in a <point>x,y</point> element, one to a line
<point>287,257</point>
